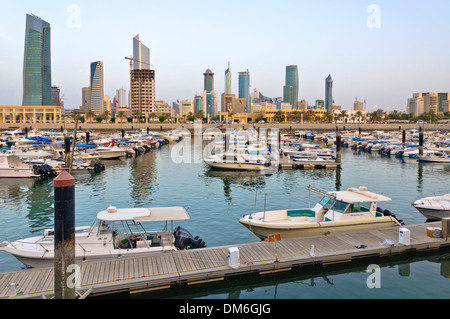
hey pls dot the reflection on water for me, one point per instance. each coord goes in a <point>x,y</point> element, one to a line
<point>250,180</point>
<point>40,205</point>
<point>142,181</point>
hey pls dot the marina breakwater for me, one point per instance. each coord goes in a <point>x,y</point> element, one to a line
<point>285,127</point>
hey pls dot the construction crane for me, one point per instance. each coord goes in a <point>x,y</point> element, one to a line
<point>131,62</point>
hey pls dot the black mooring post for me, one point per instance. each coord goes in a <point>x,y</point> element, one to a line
<point>403,136</point>
<point>88,137</point>
<point>123,133</point>
<point>64,236</point>
<point>67,152</point>
<point>421,143</point>
<point>338,148</point>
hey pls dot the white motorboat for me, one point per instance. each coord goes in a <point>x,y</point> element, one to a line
<point>104,241</point>
<point>238,161</point>
<point>12,166</point>
<point>434,207</point>
<point>435,158</point>
<point>340,211</point>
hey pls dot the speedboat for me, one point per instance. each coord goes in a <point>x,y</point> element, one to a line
<point>116,233</point>
<point>238,161</point>
<point>12,166</point>
<point>435,158</point>
<point>339,211</point>
<point>435,207</point>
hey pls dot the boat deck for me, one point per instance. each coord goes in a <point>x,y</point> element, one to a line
<point>163,270</point>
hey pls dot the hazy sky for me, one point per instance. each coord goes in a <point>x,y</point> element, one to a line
<point>378,51</point>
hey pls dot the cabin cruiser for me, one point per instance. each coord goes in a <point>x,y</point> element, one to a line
<point>116,233</point>
<point>339,211</point>
<point>434,207</point>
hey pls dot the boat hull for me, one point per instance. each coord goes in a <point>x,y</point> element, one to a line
<point>17,172</point>
<point>291,230</point>
<point>433,214</point>
<point>236,166</point>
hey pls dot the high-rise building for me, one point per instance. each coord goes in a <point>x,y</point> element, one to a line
<point>426,102</point>
<point>209,81</point>
<point>86,99</point>
<point>97,87</point>
<point>121,97</point>
<point>55,96</point>
<point>358,105</point>
<point>290,90</point>
<point>197,103</point>
<point>142,82</point>
<point>37,75</point>
<point>328,93</point>
<point>141,55</point>
<point>244,87</point>
<point>228,80</point>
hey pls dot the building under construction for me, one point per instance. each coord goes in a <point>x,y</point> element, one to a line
<point>142,93</point>
<point>142,82</point>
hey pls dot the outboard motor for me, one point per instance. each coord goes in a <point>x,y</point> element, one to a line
<point>184,239</point>
<point>387,212</point>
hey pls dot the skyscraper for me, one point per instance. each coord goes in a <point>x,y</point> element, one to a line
<point>228,80</point>
<point>290,90</point>
<point>97,88</point>
<point>209,80</point>
<point>328,93</point>
<point>37,75</point>
<point>141,55</point>
<point>244,87</point>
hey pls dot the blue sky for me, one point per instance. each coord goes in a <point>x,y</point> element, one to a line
<point>408,53</point>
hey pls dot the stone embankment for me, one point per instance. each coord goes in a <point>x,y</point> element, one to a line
<point>443,127</point>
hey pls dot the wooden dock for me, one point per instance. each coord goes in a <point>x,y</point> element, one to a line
<point>197,266</point>
<point>287,164</point>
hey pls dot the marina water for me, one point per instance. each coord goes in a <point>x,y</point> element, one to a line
<point>215,200</point>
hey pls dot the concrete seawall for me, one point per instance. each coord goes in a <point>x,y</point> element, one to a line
<point>443,127</point>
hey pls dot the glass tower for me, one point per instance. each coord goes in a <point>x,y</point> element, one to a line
<point>328,93</point>
<point>140,53</point>
<point>97,87</point>
<point>244,87</point>
<point>37,78</point>
<point>209,81</point>
<point>228,80</point>
<point>290,90</point>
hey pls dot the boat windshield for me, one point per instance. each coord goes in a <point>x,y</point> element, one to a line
<point>326,202</point>
<point>340,206</point>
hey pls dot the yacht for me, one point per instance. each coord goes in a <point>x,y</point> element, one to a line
<point>434,207</point>
<point>116,233</point>
<point>435,158</point>
<point>339,211</point>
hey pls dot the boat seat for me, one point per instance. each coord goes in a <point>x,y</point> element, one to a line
<point>301,213</point>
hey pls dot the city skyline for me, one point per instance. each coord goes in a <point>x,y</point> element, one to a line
<point>383,64</point>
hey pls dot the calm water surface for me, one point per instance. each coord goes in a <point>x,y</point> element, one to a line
<point>216,200</point>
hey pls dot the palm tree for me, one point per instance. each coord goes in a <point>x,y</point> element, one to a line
<point>90,115</point>
<point>359,115</point>
<point>120,115</point>
<point>106,115</point>
<point>344,115</point>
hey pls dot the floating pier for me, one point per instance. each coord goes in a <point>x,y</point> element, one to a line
<point>198,266</point>
<point>287,164</point>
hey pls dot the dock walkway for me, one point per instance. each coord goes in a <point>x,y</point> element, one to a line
<point>163,270</point>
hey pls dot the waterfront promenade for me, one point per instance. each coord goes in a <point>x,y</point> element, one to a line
<point>283,126</point>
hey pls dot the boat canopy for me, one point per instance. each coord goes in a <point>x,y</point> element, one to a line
<point>154,214</point>
<point>359,195</point>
